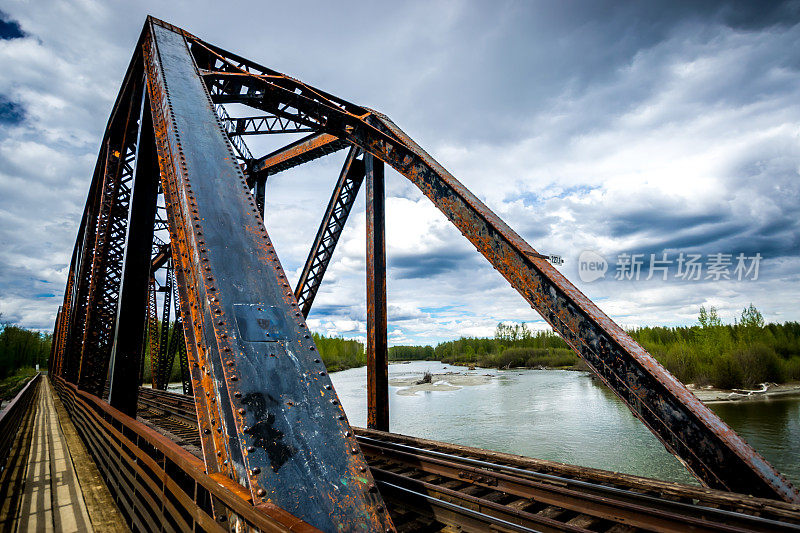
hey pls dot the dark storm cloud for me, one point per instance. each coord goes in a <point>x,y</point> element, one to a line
<point>658,222</point>
<point>11,112</point>
<point>513,62</point>
<point>323,311</point>
<point>430,264</point>
<point>9,29</point>
<point>749,15</point>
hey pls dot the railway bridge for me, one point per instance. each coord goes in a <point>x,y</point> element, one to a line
<point>173,262</point>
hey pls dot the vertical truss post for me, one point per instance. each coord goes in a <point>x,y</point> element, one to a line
<point>261,189</point>
<point>266,406</point>
<point>164,363</point>
<point>129,337</point>
<point>377,345</point>
<point>330,229</point>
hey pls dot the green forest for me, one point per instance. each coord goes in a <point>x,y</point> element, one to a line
<point>337,354</point>
<point>742,354</point>
<point>20,351</point>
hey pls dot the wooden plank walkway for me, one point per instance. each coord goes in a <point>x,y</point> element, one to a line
<point>51,481</point>
<point>51,499</point>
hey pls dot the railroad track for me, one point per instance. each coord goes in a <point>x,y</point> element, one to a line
<point>433,486</point>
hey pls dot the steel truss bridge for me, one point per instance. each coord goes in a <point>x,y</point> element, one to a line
<point>173,262</point>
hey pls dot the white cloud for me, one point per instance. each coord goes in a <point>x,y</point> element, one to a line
<point>680,136</point>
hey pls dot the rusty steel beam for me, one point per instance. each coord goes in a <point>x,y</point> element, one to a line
<point>161,257</point>
<point>330,229</point>
<point>301,151</point>
<point>377,345</point>
<point>263,396</point>
<point>214,452</point>
<point>712,451</point>
<point>129,338</point>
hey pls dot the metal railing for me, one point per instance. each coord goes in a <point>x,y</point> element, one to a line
<point>159,486</point>
<point>12,415</point>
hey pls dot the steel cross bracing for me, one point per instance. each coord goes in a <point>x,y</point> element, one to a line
<point>341,202</point>
<point>262,124</point>
<point>268,416</point>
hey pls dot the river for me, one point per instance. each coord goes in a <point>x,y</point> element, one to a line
<point>562,416</point>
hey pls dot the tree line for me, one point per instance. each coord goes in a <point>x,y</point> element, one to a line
<point>742,354</point>
<point>20,351</point>
<point>21,348</point>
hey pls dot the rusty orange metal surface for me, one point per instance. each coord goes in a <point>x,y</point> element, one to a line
<point>316,144</point>
<point>248,434</point>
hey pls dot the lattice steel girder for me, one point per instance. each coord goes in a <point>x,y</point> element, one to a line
<point>60,339</point>
<point>102,240</point>
<point>330,229</point>
<point>275,416</point>
<point>81,267</point>
<point>699,438</point>
<point>260,125</point>
<point>79,278</point>
<point>301,151</point>
<point>52,361</point>
<point>109,246</point>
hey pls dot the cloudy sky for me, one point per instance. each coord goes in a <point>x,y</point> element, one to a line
<point>623,129</point>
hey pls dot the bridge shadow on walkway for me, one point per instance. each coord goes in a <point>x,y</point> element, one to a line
<point>44,491</point>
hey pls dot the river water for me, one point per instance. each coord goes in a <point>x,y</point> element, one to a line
<point>562,416</point>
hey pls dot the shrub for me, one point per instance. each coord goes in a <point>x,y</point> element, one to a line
<point>758,363</point>
<point>726,372</point>
<point>791,369</point>
<point>534,357</point>
<point>427,377</point>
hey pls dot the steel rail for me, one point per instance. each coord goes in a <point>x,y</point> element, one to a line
<point>502,514</point>
<point>484,521</point>
<point>608,502</point>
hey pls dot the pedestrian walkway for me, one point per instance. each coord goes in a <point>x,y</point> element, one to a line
<point>51,498</point>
